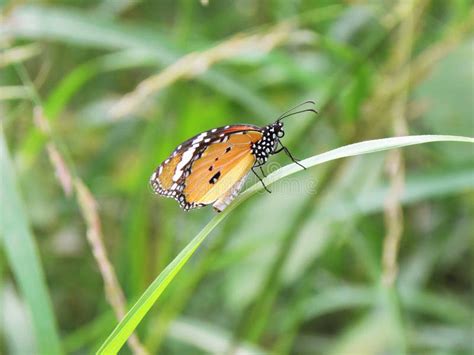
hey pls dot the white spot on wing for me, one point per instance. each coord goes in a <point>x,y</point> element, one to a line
<point>185,159</point>
<point>199,138</point>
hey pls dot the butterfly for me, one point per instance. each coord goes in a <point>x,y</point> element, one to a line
<point>212,167</point>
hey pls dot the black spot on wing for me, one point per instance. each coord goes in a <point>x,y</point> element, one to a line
<point>215,178</point>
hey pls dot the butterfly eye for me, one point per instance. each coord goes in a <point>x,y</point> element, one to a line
<point>281,134</point>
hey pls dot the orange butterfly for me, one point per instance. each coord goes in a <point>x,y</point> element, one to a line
<point>211,167</point>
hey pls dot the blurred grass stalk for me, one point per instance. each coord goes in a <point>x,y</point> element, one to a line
<point>88,206</point>
<point>196,63</point>
<point>400,59</point>
<point>423,63</point>
<point>399,64</point>
<point>18,54</point>
<point>113,291</point>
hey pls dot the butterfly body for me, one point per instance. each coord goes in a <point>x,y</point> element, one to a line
<point>211,167</point>
<point>267,145</point>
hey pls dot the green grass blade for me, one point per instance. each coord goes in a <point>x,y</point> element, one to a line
<point>126,327</point>
<point>143,305</point>
<point>23,258</point>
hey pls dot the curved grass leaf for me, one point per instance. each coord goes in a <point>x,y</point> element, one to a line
<point>126,327</point>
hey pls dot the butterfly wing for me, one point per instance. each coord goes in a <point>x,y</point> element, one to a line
<point>208,167</point>
<point>224,201</point>
<point>220,167</point>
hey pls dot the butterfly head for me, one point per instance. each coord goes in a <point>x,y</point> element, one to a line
<point>274,132</point>
<point>278,129</point>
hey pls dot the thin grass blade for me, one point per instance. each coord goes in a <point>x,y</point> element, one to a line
<point>22,254</point>
<point>126,327</point>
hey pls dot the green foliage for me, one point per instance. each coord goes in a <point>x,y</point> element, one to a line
<point>302,270</point>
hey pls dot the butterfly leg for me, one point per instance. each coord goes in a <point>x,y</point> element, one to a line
<point>259,165</point>
<point>259,178</point>
<point>285,149</point>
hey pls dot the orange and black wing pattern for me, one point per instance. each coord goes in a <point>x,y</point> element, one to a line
<point>209,168</point>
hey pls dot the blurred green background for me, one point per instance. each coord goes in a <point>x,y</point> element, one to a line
<point>301,271</point>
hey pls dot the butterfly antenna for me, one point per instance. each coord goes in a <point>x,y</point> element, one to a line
<point>298,112</point>
<point>294,108</point>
